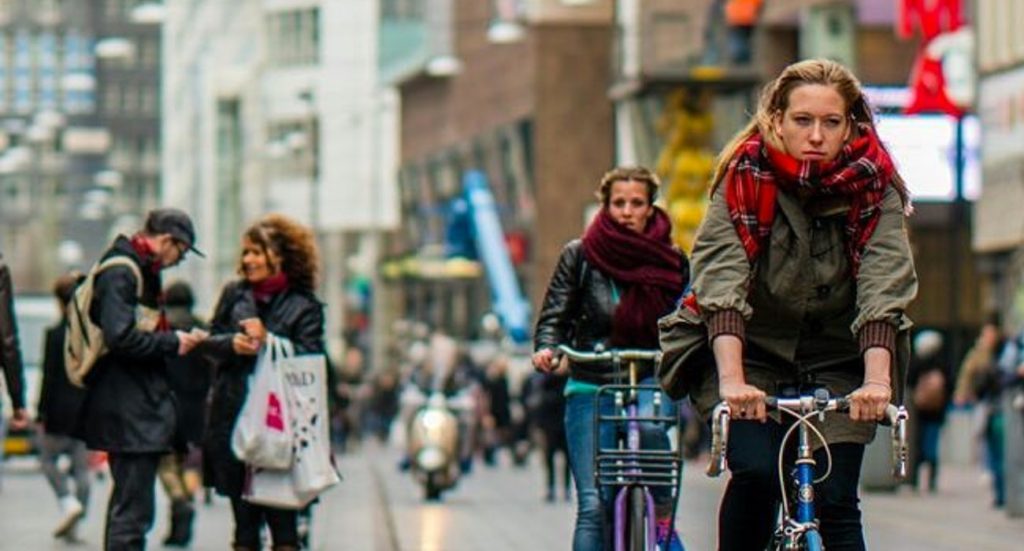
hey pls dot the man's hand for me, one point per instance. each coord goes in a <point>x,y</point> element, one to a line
<point>19,419</point>
<point>188,341</point>
<point>543,360</point>
<point>254,328</point>
<point>245,345</point>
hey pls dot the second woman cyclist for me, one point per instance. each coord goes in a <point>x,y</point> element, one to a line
<point>609,288</point>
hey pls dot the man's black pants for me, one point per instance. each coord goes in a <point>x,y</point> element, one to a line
<point>130,512</point>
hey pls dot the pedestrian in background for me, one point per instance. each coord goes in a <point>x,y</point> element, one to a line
<point>802,273</point>
<point>930,389</point>
<point>10,359</point>
<point>60,405</point>
<point>545,404</point>
<point>129,409</point>
<point>189,376</point>
<point>278,265</point>
<point>978,383</point>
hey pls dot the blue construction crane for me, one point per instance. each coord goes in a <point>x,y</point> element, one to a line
<point>509,302</point>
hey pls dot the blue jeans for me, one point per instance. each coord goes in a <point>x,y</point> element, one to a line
<point>594,505</point>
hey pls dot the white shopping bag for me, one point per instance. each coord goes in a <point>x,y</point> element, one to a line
<point>312,470</point>
<point>262,435</point>
<point>274,488</point>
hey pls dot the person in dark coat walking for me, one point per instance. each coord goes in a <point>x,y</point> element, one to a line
<point>278,265</point>
<point>931,388</point>
<point>189,376</point>
<point>10,355</point>
<point>129,409</point>
<point>60,404</point>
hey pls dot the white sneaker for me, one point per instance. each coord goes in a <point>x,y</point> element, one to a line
<point>71,511</point>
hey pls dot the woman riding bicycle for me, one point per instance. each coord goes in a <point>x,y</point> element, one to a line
<point>802,274</point>
<point>608,290</point>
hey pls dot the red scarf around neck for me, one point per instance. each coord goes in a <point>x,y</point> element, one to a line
<point>649,266</point>
<point>862,172</point>
<point>265,290</point>
<point>146,253</point>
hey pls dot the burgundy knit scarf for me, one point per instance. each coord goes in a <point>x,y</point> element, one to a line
<point>648,266</point>
<point>862,171</point>
<point>265,290</point>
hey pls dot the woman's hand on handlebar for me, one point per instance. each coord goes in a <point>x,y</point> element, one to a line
<point>868,402</point>
<point>544,360</point>
<point>745,401</point>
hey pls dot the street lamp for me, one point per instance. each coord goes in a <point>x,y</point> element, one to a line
<point>114,47</point>
<point>149,13</point>
<point>505,32</point>
<point>444,66</point>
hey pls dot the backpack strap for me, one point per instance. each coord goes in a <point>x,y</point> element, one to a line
<point>122,261</point>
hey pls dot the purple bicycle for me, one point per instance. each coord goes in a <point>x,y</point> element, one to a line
<point>628,468</point>
<point>797,528</point>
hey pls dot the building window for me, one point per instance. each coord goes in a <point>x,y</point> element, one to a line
<point>294,37</point>
<point>112,99</point>
<point>401,9</point>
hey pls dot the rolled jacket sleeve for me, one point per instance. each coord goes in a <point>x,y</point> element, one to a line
<point>887,281</point>
<point>721,272</point>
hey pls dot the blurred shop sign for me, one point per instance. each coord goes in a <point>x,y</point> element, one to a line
<point>998,223</point>
<point>1001,108</point>
<point>86,141</point>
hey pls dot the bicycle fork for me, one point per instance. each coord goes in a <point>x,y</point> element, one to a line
<point>802,522</point>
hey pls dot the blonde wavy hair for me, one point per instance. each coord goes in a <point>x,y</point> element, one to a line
<point>293,243</point>
<point>775,100</point>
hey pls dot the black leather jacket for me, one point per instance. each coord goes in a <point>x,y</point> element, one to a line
<point>129,406</point>
<point>578,309</point>
<point>294,314</point>
<point>10,351</point>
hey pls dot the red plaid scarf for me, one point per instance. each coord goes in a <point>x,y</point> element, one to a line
<point>862,171</point>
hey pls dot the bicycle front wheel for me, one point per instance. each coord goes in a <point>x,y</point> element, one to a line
<point>637,519</point>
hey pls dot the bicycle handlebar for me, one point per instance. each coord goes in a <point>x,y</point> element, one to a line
<point>623,354</point>
<point>895,415</point>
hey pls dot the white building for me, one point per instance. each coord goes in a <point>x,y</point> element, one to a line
<point>274,106</point>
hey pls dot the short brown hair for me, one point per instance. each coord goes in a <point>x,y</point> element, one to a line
<point>628,174</point>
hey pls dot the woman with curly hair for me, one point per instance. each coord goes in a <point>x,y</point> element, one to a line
<point>278,268</point>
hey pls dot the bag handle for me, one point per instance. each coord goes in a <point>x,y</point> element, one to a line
<point>280,347</point>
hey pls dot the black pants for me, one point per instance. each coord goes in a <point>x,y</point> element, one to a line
<point>749,509</point>
<point>130,512</point>
<point>249,518</point>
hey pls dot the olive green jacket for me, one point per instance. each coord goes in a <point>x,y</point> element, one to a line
<point>798,305</point>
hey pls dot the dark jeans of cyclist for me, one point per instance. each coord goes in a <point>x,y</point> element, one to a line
<point>750,505</point>
<point>594,509</point>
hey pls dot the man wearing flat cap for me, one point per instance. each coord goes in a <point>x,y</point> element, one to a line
<point>130,411</point>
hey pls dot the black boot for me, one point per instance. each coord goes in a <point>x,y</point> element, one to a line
<point>182,514</point>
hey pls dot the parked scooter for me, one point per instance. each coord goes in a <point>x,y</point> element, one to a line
<point>434,446</point>
<point>437,428</point>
